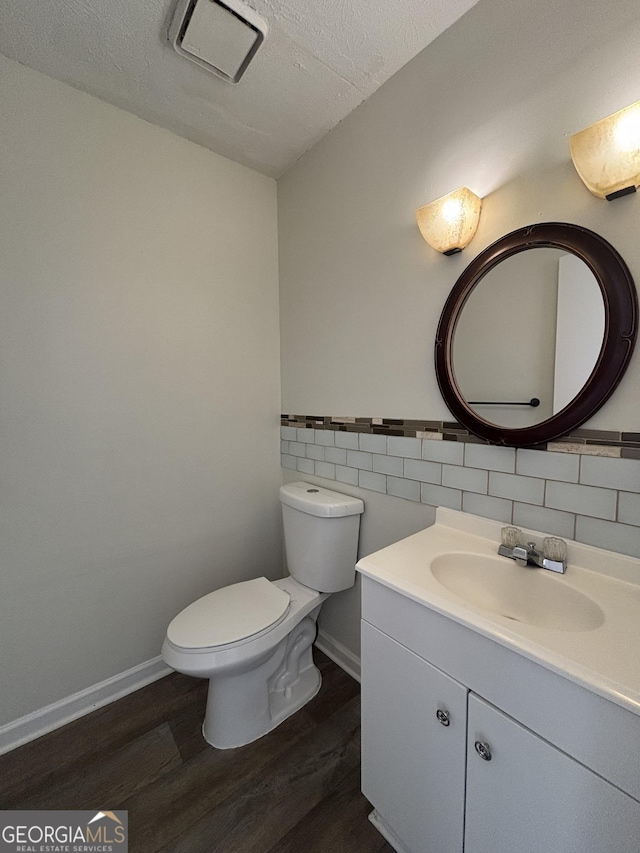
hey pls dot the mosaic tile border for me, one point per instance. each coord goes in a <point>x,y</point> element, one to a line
<point>593,442</point>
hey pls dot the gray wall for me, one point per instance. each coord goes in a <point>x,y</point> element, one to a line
<point>139,394</point>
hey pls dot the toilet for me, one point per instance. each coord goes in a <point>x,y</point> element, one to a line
<point>253,640</point>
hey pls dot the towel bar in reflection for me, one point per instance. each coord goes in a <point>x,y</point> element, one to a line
<point>534,401</point>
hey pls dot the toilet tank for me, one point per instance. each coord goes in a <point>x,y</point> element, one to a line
<point>321,530</point>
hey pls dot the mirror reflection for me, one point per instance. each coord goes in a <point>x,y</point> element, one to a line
<point>532,329</point>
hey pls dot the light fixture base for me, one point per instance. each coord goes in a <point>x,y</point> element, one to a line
<point>452,251</point>
<point>620,193</point>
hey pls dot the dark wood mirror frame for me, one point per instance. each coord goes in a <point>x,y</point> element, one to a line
<point>621,327</point>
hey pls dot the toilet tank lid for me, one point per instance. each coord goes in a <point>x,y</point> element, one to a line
<point>314,500</point>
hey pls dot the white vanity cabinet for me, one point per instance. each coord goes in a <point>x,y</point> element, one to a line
<point>413,745</point>
<point>435,791</point>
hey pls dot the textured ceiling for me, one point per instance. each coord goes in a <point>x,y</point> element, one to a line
<point>322,58</point>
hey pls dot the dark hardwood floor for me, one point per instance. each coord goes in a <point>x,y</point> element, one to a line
<point>296,790</point>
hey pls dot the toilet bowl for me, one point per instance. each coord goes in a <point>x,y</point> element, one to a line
<point>253,640</point>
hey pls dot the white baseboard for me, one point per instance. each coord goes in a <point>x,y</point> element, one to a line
<point>339,654</point>
<point>51,717</point>
<point>387,832</point>
<point>60,713</point>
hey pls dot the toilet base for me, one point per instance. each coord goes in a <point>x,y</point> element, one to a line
<point>312,685</point>
<point>309,683</point>
<point>245,706</point>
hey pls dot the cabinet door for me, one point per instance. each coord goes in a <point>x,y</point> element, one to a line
<point>413,766</point>
<point>532,798</point>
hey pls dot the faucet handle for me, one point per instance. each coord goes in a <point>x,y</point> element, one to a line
<point>511,536</point>
<point>555,549</point>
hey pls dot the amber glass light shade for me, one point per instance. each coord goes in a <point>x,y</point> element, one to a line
<point>607,154</point>
<point>449,223</point>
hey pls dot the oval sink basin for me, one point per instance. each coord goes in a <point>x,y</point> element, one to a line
<point>532,596</point>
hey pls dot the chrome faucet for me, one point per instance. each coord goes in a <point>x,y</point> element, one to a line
<point>553,558</point>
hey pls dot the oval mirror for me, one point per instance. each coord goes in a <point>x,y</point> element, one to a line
<point>536,334</point>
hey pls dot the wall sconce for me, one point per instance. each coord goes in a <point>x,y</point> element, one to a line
<point>449,223</point>
<point>607,154</point>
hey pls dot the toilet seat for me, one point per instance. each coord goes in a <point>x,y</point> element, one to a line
<point>229,615</point>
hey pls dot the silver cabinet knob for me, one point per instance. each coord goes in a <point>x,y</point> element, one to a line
<point>443,717</point>
<point>483,750</point>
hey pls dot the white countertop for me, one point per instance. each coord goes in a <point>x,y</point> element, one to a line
<point>605,660</point>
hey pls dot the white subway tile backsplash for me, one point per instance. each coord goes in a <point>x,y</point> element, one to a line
<point>349,440</point>
<point>338,455</point>
<point>629,508</point>
<point>611,473</point>
<point>347,475</point>
<point>289,461</point>
<point>359,459</point>
<point>552,521</point>
<point>606,534</point>
<point>529,490</point>
<point>564,494</point>
<point>443,451</point>
<point>373,443</point>
<point>486,506</point>
<point>388,465</point>
<point>469,479</point>
<point>398,445</point>
<point>585,500</point>
<point>491,458</point>
<point>401,488</point>
<point>306,466</point>
<point>315,451</point>
<point>440,496</point>
<point>551,466</point>
<point>326,470</point>
<point>427,472</point>
<point>325,437</point>
<point>375,482</point>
